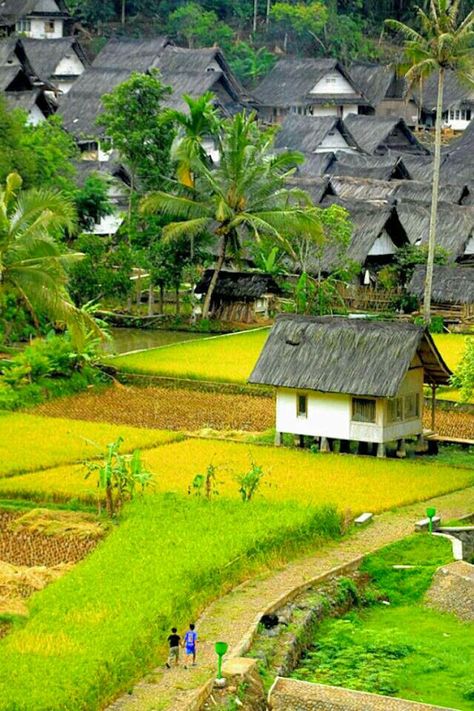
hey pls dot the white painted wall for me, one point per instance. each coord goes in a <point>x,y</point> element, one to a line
<point>64,86</point>
<point>333,141</point>
<point>35,116</point>
<point>383,245</point>
<point>457,118</point>
<point>469,246</point>
<point>107,225</point>
<point>70,66</point>
<point>348,109</point>
<point>38,29</point>
<point>333,83</point>
<point>330,414</point>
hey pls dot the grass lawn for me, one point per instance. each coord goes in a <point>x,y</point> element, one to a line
<point>355,483</point>
<point>228,358</point>
<point>30,442</point>
<point>96,630</point>
<point>404,649</point>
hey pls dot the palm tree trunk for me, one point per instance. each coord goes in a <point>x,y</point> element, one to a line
<point>123,12</point>
<point>220,261</point>
<point>434,202</point>
<point>151,300</point>
<point>255,11</point>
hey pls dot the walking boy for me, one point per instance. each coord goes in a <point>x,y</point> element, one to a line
<point>174,640</point>
<point>190,642</point>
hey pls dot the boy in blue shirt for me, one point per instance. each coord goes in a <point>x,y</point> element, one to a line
<point>190,642</point>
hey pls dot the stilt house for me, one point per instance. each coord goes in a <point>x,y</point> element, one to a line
<point>453,291</point>
<point>349,379</point>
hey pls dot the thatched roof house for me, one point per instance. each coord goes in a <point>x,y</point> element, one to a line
<point>451,285</point>
<point>311,134</point>
<point>454,230</point>
<point>386,90</point>
<point>349,379</point>
<point>387,167</point>
<point>58,61</point>
<point>343,355</point>
<point>458,101</point>
<point>308,86</point>
<point>394,191</point>
<point>187,71</point>
<point>43,19</point>
<point>376,135</point>
<point>239,296</point>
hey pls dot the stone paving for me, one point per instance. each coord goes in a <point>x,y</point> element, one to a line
<point>234,616</point>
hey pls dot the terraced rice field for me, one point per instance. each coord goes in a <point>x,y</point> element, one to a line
<point>29,442</point>
<point>355,483</point>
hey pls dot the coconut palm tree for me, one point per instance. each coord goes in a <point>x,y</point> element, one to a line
<point>32,264</point>
<point>443,43</point>
<point>243,197</point>
<point>199,122</point>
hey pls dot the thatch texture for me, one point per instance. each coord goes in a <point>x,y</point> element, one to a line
<point>393,190</point>
<point>290,82</point>
<point>451,285</point>
<point>379,135</point>
<point>13,10</point>
<point>455,92</point>
<point>359,165</point>
<point>45,55</point>
<point>316,164</point>
<point>458,158</point>
<point>238,286</point>
<point>306,133</point>
<point>373,79</point>
<point>8,74</point>
<point>454,228</point>
<point>317,188</point>
<point>7,51</point>
<point>342,355</point>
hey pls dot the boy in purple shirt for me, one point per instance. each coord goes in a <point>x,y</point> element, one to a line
<point>190,642</point>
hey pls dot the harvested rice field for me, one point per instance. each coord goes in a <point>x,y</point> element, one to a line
<point>350,483</point>
<point>192,410</point>
<point>29,442</point>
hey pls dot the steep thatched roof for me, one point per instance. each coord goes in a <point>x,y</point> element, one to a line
<point>369,221</point>
<point>316,164</point>
<point>339,355</point>
<point>81,106</point>
<point>45,55</point>
<point>238,285</point>
<point>7,51</point>
<point>451,285</point>
<point>419,167</point>
<point>291,80</point>
<point>13,10</point>
<point>7,75</point>
<point>457,160</point>
<point>454,228</point>
<point>315,187</point>
<point>373,79</point>
<point>358,165</point>
<point>393,190</point>
<point>455,92</point>
<point>306,133</point>
<point>379,135</point>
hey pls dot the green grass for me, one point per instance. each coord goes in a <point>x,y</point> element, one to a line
<point>96,630</point>
<point>228,358</point>
<point>32,442</point>
<point>404,649</point>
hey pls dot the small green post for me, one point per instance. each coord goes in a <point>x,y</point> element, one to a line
<point>221,649</point>
<point>430,512</point>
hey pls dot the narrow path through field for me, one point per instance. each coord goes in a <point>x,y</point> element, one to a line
<point>231,618</point>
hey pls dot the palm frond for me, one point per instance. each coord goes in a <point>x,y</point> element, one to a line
<point>188,229</point>
<point>173,206</point>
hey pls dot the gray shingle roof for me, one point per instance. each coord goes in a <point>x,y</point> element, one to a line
<point>358,165</point>
<point>373,134</point>
<point>454,92</point>
<point>451,285</point>
<point>13,10</point>
<point>339,355</point>
<point>455,225</point>
<point>291,80</point>
<point>45,55</point>
<point>306,133</point>
<point>239,285</point>
<point>373,79</point>
<point>392,190</point>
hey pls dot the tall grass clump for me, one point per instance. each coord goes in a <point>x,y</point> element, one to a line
<point>96,630</point>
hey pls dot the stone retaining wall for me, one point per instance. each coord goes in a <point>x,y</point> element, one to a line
<point>287,694</point>
<point>452,590</point>
<point>465,534</point>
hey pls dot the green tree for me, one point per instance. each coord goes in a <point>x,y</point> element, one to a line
<point>244,197</point>
<point>193,26</point>
<point>302,21</point>
<point>32,263</point>
<point>54,151</point>
<point>139,129</point>
<point>445,42</point>
<point>104,272</point>
<point>248,63</point>
<point>13,154</point>
<point>92,201</point>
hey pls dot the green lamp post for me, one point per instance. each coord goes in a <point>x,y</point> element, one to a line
<point>430,512</point>
<point>221,649</point>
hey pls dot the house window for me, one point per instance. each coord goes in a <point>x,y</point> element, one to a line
<point>49,26</point>
<point>23,26</point>
<point>302,405</point>
<point>395,409</point>
<point>331,80</point>
<point>363,409</point>
<point>412,406</point>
